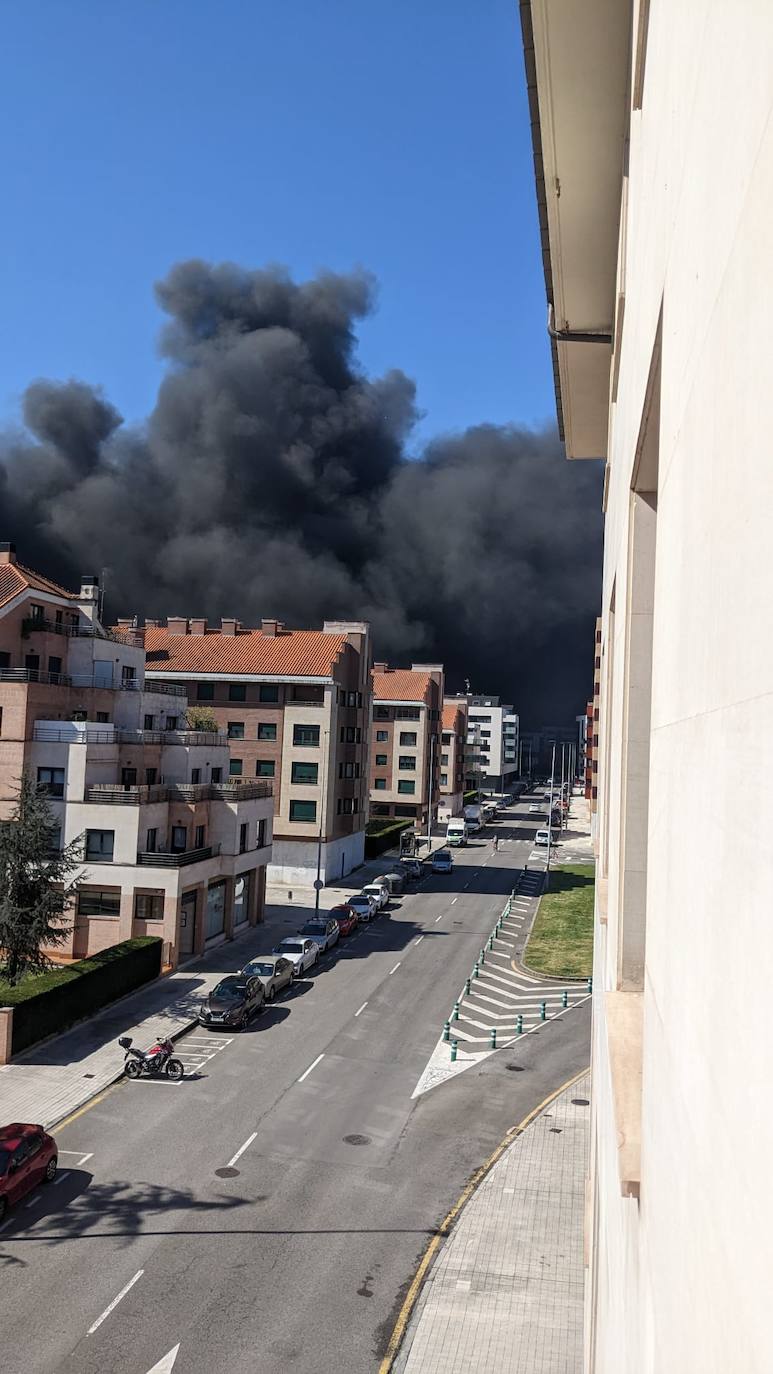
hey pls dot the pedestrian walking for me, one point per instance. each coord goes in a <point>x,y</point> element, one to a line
<point>496,843</point>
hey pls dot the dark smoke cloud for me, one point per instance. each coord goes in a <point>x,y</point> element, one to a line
<point>272,479</point>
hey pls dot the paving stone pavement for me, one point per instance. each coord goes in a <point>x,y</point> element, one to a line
<point>505,1295</point>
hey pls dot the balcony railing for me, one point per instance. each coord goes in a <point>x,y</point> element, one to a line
<point>83,630</point>
<point>113,795</point>
<point>174,689</point>
<point>49,734</point>
<point>188,856</point>
<point>132,684</point>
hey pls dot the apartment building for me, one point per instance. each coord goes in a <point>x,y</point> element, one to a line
<point>653,141</point>
<point>452,757</point>
<point>171,847</point>
<point>493,729</point>
<point>407,742</point>
<point>294,706</point>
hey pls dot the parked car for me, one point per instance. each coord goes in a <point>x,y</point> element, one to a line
<point>544,837</point>
<point>379,892</point>
<point>395,882</point>
<point>347,918</point>
<point>365,905</point>
<point>442,862</point>
<point>28,1156</point>
<point>413,868</point>
<point>303,954</point>
<point>275,972</point>
<point>233,1002</point>
<point>535,809</point>
<point>323,929</point>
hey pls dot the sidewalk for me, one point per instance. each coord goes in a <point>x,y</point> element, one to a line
<point>505,1295</point>
<point>53,1079</point>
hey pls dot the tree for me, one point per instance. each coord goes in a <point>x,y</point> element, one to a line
<point>202,718</point>
<point>36,882</point>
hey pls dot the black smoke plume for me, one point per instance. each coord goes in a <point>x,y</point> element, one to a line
<point>273,478</point>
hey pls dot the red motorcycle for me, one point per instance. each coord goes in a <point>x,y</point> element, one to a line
<point>159,1059</point>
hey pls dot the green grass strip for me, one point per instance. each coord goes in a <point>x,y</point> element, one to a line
<point>561,943</point>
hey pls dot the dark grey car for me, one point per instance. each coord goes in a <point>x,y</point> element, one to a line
<point>233,1002</point>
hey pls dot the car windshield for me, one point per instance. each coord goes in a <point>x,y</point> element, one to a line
<point>261,967</point>
<point>230,988</point>
<point>314,929</point>
<point>290,947</point>
<point>361,900</point>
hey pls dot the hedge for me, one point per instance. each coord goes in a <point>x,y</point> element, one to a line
<point>54,1000</point>
<point>381,835</point>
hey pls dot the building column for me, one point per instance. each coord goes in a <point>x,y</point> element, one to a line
<point>6,1034</point>
<point>201,912</point>
<point>258,896</point>
<point>171,930</point>
<point>228,922</point>
<point>126,914</point>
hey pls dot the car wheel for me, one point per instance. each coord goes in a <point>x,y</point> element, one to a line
<point>50,1169</point>
<point>316,960</point>
<point>243,1021</point>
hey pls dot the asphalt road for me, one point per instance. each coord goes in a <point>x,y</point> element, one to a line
<point>294,1255</point>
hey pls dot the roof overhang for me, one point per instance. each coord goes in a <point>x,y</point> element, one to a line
<point>578,57</point>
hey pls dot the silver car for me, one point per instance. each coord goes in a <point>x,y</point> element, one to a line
<point>302,953</point>
<point>379,892</point>
<point>365,905</point>
<point>275,972</point>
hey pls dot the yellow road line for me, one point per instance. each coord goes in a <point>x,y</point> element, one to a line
<point>409,1302</point>
<point>92,1102</point>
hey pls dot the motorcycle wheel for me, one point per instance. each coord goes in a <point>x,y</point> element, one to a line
<point>133,1068</point>
<point>174,1070</point>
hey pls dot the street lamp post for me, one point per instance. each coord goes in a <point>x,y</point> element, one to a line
<point>550,815</point>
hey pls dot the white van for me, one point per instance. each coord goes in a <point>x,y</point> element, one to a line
<point>456,831</point>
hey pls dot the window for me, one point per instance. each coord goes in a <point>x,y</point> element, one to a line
<point>379,784</point>
<point>444,758</point>
<point>381,712</point>
<point>234,769</point>
<point>380,810</point>
<point>205,691</point>
<point>408,739</point>
<point>382,736</point>
<point>199,839</point>
<point>350,734</point>
<point>36,612</point>
<point>306,734</point>
<point>179,839</point>
<point>485,734</point>
<point>91,902</point>
<point>341,697</point>
<point>407,713</point>
<point>243,837</point>
<point>267,730</point>
<point>99,845</point>
<point>59,617</point>
<point>53,781</point>
<point>103,717</point>
<point>150,776</point>
<point>55,841</point>
<point>54,664</point>
<point>345,806</point>
<point>151,840</point>
<point>171,722</point>
<point>237,691</point>
<point>268,692</point>
<point>236,729</point>
<point>265,768</point>
<point>148,722</point>
<point>261,837</point>
<point>405,786</point>
<point>303,811</point>
<point>381,760</point>
<point>407,761</point>
<point>304,772</point>
<point>195,775</point>
<point>149,906</point>
<point>443,779</point>
<point>217,775</point>
<point>352,770</point>
<point>128,673</point>
<point>128,777</point>
<point>351,698</point>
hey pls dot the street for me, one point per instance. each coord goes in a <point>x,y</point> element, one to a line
<point>268,1212</point>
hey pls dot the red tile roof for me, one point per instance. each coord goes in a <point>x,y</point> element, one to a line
<point>295,653</point>
<point>453,718</point>
<point>401,684</point>
<point>15,579</point>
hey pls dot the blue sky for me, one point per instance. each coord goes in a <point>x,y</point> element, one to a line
<point>388,133</point>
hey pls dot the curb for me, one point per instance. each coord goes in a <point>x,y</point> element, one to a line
<point>443,1231</point>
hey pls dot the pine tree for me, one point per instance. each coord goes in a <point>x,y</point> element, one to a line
<point>36,883</point>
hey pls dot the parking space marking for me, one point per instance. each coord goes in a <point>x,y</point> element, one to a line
<point>115,1302</point>
<point>394,970</point>
<point>33,1200</point>
<point>362,1008</point>
<point>241,1150</point>
<point>311,1066</point>
<point>61,1176</point>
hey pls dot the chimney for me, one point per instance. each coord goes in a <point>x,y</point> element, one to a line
<point>150,624</point>
<point>198,627</point>
<point>177,625</point>
<point>380,668</point>
<point>128,623</point>
<point>228,625</point>
<point>7,553</point>
<point>89,588</point>
<point>269,627</point>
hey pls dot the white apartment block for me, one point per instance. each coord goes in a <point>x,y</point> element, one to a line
<point>493,729</point>
<point>653,142</point>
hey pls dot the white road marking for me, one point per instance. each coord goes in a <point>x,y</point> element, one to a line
<point>456,899</point>
<point>241,1150</point>
<point>418,942</point>
<point>394,970</point>
<point>60,1178</point>
<point>115,1302</point>
<point>33,1200</point>
<point>311,1066</point>
<point>166,1365</point>
<point>439,918</point>
<point>362,1008</point>
<point>83,1158</point>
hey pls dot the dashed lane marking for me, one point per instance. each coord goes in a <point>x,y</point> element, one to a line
<point>311,1066</point>
<point>455,899</point>
<point>418,942</point>
<point>241,1150</point>
<point>438,918</point>
<point>362,1008</point>
<point>394,970</point>
<point>115,1302</point>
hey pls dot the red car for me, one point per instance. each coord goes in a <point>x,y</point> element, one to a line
<point>347,918</point>
<point>28,1156</point>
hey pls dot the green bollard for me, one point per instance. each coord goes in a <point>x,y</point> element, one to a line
<point>475,970</point>
<point>446,1030</point>
<point>493,1038</point>
<point>520,1025</point>
<point>590,985</point>
<point>482,957</point>
<point>491,941</point>
<point>455,1012</point>
<point>542,1010</point>
<point>565,998</point>
<point>454,1048</point>
<point>467,986</point>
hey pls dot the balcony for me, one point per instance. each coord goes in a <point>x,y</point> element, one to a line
<point>49,734</point>
<point>33,623</point>
<point>108,794</point>
<point>181,860</point>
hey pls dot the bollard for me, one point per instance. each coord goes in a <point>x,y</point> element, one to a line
<point>520,1025</point>
<point>455,1012</point>
<point>492,1038</point>
<point>590,985</point>
<point>467,986</point>
<point>446,1030</point>
<point>542,1010</point>
<point>454,1048</point>
<point>564,998</point>
<point>475,970</point>
<point>491,941</point>
<point>482,957</point>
